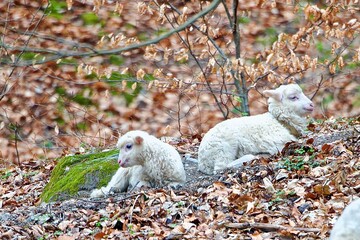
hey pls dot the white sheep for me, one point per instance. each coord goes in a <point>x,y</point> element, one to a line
<point>237,140</point>
<point>144,161</point>
<point>347,227</point>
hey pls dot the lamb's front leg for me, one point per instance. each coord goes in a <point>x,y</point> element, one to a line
<point>224,155</point>
<point>119,181</point>
<point>240,161</point>
<point>137,178</point>
<point>175,185</point>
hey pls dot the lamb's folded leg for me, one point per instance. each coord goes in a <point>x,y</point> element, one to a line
<point>214,156</point>
<point>240,161</point>
<point>120,182</point>
<point>138,185</point>
<point>137,178</point>
<point>175,185</point>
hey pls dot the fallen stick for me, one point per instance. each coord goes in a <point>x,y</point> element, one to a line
<point>320,139</point>
<point>269,227</point>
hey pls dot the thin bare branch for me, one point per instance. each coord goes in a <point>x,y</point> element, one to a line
<point>188,45</point>
<point>15,64</point>
<point>269,227</point>
<point>57,39</point>
<point>222,54</point>
<point>64,54</point>
<point>237,76</point>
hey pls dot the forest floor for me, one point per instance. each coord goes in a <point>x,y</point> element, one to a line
<point>296,194</point>
<point>52,110</point>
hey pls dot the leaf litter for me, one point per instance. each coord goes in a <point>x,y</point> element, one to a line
<point>296,194</point>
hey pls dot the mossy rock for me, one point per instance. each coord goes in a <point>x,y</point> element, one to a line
<point>79,175</point>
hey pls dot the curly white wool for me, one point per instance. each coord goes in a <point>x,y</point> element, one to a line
<point>347,227</point>
<point>226,143</point>
<point>144,161</point>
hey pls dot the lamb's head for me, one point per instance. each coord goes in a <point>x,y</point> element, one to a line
<point>131,147</point>
<point>288,99</point>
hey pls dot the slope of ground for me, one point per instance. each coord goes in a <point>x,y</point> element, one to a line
<point>297,194</point>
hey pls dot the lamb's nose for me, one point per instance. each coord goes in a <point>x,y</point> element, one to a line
<point>311,107</point>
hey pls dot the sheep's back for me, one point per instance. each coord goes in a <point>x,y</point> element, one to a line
<point>163,162</point>
<point>250,135</point>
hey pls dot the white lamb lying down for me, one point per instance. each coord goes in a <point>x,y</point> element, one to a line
<point>144,161</point>
<point>234,141</point>
<point>347,227</point>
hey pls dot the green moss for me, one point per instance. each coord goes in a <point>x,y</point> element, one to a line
<point>116,60</point>
<point>90,18</point>
<point>74,174</point>
<point>56,9</point>
<point>244,20</point>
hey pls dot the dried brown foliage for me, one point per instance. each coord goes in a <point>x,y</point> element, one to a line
<point>76,73</point>
<point>296,195</point>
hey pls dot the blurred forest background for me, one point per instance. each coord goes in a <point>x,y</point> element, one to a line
<point>75,74</point>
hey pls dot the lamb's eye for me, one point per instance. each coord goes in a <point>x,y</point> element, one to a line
<point>293,98</point>
<point>128,146</point>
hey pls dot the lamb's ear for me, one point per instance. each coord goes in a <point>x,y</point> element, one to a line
<point>138,140</point>
<point>277,95</point>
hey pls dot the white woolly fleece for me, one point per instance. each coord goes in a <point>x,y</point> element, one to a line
<point>267,133</point>
<point>347,227</point>
<point>145,161</point>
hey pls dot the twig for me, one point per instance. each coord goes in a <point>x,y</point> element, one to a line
<point>132,209</point>
<point>6,87</point>
<point>15,65</point>
<point>235,29</point>
<point>188,45</point>
<point>240,87</point>
<point>318,87</point>
<point>320,139</point>
<point>62,54</point>
<point>6,24</point>
<point>27,49</point>
<point>16,146</point>
<point>126,196</point>
<point>57,39</point>
<point>221,52</point>
<point>269,227</point>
